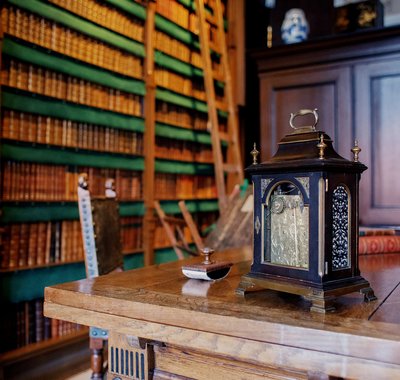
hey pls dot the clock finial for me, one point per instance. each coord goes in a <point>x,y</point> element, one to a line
<point>321,146</point>
<point>255,154</point>
<point>356,150</point>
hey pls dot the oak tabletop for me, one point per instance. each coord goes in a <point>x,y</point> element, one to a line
<point>162,295</point>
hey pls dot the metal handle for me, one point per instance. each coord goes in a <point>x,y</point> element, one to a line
<point>207,252</point>
<point>302,113</point>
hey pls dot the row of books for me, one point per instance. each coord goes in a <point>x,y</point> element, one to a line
<point>179,186</point>
<point>179,14</point>
<point>174,11</point>
<point>177,49</point>
<point>189,87</point>
<point>51,35</point>
<point>131,233</point>
<point>37,244</point>
<point>29,181</point>
<point>54,242</point>
<point>169,45</point>
<point>47,130</point>
<point>118,21</point>
<point>183,117</point>
<point>180,84</point>
<point>183,150</point>
<point>105,15</point>
<point>23,323</point>
<point>32,78</point>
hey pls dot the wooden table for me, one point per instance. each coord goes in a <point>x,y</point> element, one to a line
<point>162,324</point>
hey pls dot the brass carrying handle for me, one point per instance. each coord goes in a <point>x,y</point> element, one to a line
<point>302,113</point>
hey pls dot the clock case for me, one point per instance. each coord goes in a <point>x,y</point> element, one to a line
<point>316,170</point>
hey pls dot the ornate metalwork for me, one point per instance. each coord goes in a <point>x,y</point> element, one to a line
<point>340,228</point>
<point>356,150</point>
<point>287,223</point>
<point>254,153</point>
<point>257,225</point>
<point>264,184</point>
<point>305,182</point>
<point>321,146</point>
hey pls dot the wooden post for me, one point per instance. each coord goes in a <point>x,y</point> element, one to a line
<point>149,139</point>
<point>234,157</point>
<point>212,108</point>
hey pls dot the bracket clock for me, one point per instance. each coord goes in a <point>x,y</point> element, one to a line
<point>306,220</point>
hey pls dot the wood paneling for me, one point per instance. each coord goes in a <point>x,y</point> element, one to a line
<point>326,88</point>
<point>354,81</point>
<point>377,85</point>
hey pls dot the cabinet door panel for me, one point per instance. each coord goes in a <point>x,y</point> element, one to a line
<point>326,88</point>
<point>377,88</point>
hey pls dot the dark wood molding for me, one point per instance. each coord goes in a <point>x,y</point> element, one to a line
<point>369,43</point>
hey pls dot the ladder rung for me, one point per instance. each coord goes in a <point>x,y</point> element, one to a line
<point>231,168</point>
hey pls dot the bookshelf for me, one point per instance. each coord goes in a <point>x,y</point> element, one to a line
<point>113,88</point>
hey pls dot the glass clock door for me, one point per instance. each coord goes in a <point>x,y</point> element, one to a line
<point>286,227</point>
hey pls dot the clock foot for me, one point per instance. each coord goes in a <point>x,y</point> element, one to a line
<point>369,294</point>
<point>245,286</point>
<point>321,303</point>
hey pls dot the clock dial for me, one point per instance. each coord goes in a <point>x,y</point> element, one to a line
<point>286,228</point>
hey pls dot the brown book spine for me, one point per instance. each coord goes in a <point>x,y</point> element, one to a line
<point>33,244</point>
<point>379,244</point>
<point>23,245</point>
<point>54,328</point>
<point>41,243</point>
<point>14,245</point>
<point>64,241</point>
<point>48,242</point>
<point>57,242</point>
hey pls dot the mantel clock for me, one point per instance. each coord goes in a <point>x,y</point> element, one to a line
<point>306,220</point>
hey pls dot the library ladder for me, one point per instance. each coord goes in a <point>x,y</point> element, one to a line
<point>233,165</point>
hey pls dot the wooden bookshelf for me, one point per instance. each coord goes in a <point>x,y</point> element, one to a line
<point>78,95</point>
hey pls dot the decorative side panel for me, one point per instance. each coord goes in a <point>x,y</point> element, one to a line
<point>340,228</point>
<point>129,358</point>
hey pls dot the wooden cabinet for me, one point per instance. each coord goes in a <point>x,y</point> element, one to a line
<point>377,85</point>
<point>354,81</point>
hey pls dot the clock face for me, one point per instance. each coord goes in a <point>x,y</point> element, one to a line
<point>286,227</point>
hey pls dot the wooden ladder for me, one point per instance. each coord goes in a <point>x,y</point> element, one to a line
<point>174,228</point>
<point>233,166</point>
